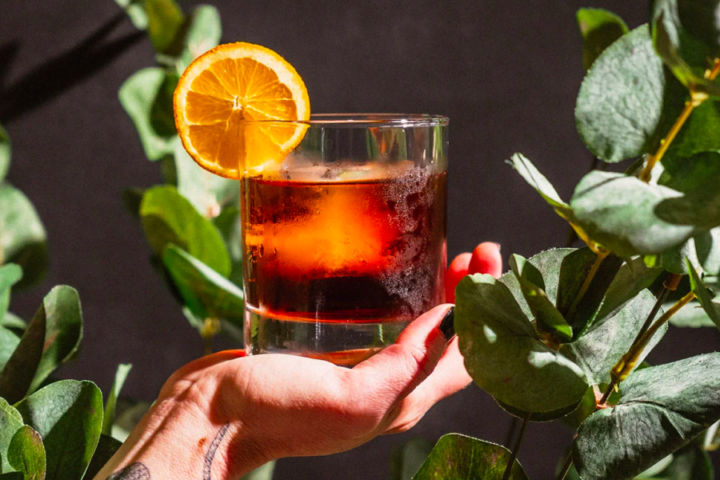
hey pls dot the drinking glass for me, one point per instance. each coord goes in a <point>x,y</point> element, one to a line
<point>344,237</point>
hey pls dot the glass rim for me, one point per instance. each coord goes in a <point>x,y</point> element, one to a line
<point>361,120</point>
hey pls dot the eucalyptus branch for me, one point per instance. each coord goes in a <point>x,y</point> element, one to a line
<point>516,448</point>
<point>695,100</point>
<point>210,328</point>
<point>566,467</point>
<point>572,234</point>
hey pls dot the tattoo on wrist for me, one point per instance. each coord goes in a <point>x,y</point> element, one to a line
<point>212,449</point>
<point>134,471</point>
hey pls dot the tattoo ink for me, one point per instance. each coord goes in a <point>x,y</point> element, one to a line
<point>212,449</point>
<point>134,471</point>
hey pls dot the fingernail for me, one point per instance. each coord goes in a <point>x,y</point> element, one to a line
<point>447,325</point>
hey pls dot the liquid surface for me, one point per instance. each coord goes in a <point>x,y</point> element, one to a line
<point>359,246</point>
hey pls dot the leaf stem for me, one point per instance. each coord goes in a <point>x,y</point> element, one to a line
<point>690,104</point>
<point>566,467</point>
<point>602,255</point>
<point>516,448</point>
<point>627,363</point>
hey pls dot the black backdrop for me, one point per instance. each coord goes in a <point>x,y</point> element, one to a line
<point>505,72</point>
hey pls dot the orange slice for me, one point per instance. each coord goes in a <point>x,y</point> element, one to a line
<point>225,104</point>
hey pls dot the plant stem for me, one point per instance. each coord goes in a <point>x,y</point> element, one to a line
<point>566,467</point>
<point>572,234</point>
<point>586,284</point>
<point>516,448</point>
<point>694,101</point>
<point>210,328</point>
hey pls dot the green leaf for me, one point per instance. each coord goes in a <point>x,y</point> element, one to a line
<point>68,416</point>
<point>168,217</point>
<point>633,277</point>
<point>661,410</point>
<point>10,274</point>
<point>619,212</point>
<point>138,96</point>
<point>10,422</point>
<point>230,227</point>
<point>127,417</point>
<point>548,318</point>
<point>599,29</point>
<point>703,295</point>
<point>12,476</point>
<point>206,293</point>
<point>209,193</point>
<point>711,441</point>
<point>164,21</point>
<point>8,343</point>
<point>407,459</point>
<point>52,338</point>
<point>693,315</point>
<point>13,321</point>
<point>136,11</point>
<point>701,132</point>
<point>203,32</point>
<point>702,250</point>
<point>701,19</point>
<point>262,473</point>
<point>688,463</point>
<point>574,270</point>
<point>458,456</point>
<point>26,453</point>
<point>22,235</point>
<point>5,152</point>
<point>628,101</point>
<point>538,181</point>
<point>605,342</point>
<point>106,448</point>
<point>109,417</point>
<point>504,355</point>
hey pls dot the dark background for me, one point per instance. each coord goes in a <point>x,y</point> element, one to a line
<point>506,72</point>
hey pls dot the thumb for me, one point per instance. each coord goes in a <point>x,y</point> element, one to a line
<point>394,373</point>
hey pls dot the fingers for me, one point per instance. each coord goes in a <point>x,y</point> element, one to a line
<point>448,378</point>
<point>457,270</point>
<point>486,258</point>
<point>392,374</point>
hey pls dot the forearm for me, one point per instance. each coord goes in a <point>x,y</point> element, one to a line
<point>175,440</point>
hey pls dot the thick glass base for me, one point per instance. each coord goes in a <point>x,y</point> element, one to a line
<point>345,343</point>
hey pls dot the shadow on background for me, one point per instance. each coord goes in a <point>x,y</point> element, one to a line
<point>61,72</point>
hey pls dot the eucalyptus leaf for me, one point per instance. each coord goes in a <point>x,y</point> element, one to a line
<point>661,410</point>
<point>261,473</point>
<point>407,459</point>
<point>619,212</point>
<point>68,416</point>
<point>628,100</point>
<point>701,132</point>
<point>136,11</point>
<point>209,193</point>
<point>202,32</point>
<point>52,338</point>
<point>22,235</point>
<point>128,415</point>
<point>26,453</point>
<point>10,422</point>
<point>605,342</point>
<point>693,315</point>
<point>711,441</point>
<point>168,217</point>
<point>459,456</point>
<point>5,153</point>
<point>10,274</point>
<point>164,21</point>
<point>633,277</point>
<point>688,463</point>
<point>206,293</point>
<point>12,321</point>
<point>109,418</point>
<point>704,296</point>
<point>8,343</point>
<point>548,318</point>
<point>137,96</point>
<point>106,448</point>
<point>537,180</point>
<point>504,355</point>
<point>574,270</point>
<point>230,227</point>
<point>701,19</point>
<point>599,29</point>
<point>703,252</point>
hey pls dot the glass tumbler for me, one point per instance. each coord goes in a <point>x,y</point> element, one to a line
<point>344,236</point>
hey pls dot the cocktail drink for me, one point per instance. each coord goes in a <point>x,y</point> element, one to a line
<point>343,216</point>
<point>344,241</point>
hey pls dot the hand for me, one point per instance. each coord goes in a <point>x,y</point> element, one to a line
<point>225,414</point>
